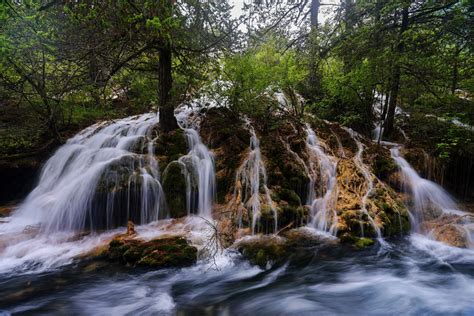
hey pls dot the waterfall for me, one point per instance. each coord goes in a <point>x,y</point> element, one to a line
<point>359,162</point>
<point>99,179</point>
<point>427,196</point>
<point>248,182</point>
<point>323,213</point>
<point>199,167</point>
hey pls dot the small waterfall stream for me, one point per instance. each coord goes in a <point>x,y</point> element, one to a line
<point>199,165</point>
<point>427,196</point>
<point>323,213</point>
<point>249,184</point>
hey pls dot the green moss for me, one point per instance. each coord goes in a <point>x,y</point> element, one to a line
<point>292,214</point>
<point>261,258</point>
<point>383,166</point>
<point>157,253</point>
<point>290,196</point>
<point>264,250</point>
<point>133,254</point>
<point>364,242</point>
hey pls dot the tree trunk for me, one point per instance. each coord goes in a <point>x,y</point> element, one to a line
<point>314,78</point>
<point>395,81</point>
<point>348,9</point>
<point>167,119</point>
<point>314,13</point>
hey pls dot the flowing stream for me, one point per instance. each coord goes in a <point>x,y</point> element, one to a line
<point>416,276</point>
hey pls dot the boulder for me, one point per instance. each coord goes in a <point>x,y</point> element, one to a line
<point>452,235</point>
<point>263,250</point>
<point>157,253</point>
<point>448,229</point>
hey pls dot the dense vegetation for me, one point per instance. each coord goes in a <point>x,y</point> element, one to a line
<point>65,64</point>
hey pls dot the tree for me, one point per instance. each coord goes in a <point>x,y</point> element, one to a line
<point>115,34</point>
<point>32,65</point>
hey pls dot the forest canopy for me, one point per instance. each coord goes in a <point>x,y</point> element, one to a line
<point>65,64</point>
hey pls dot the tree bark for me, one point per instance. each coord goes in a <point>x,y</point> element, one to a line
<point>396,73</point>
<point>314,13</point>
<point>314,75</point>
<point>348,7</point>
<point>167,119</point>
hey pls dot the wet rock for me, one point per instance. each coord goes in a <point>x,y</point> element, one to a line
<point>174,187</point>
<point>6,210</point>
<point>263,250</point>
<point>448,229</point>
<point>157,253</point>
<point>382,163</point>
<point>170,147</point>
<point>131,229</point>
<point>358,242</point>
<point>267,250</point>
<point>452,235</point>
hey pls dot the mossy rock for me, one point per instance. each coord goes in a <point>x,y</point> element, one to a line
<point>358,242</point>
<point>383,166</point>
<point>289,214</point>
<point>289,196</point>
<point>264,250</point>
<point>171,146</point>
<point>174,187</point>
<point>394,217</point>
<point>157,253</point>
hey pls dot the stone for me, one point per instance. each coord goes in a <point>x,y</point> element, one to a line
<point>263,250</point>
<point>157,253</point>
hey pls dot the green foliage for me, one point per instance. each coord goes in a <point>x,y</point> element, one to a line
<point>348,97</point>
<point>256,74</point>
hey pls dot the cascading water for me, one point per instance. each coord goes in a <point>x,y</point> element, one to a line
<point>359,162</point>
<point>248,187</point>
<point>99,179</point>
<point>199,168</point>
<point>323,213</point>
<point>427,196</point>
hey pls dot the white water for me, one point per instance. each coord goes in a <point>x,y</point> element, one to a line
<point>43,233</point>
<point>427,196</point>
<point>323,212</point>
<point>119,157</point>
<point>248,177</point>
<point>199,165</point>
